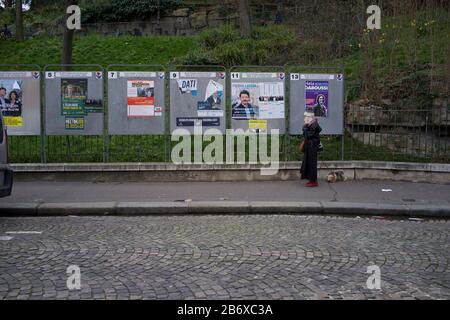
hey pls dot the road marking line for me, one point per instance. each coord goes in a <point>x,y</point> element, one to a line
<point>5,238</point>
<point>23,232</point>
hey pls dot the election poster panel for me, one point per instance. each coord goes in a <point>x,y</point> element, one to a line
<point>73,102</point>
<point>316,97</point>
<point>11,102</point>
<point>136,102</point>
<point>20,101</point>
<point>258,101</point>
<point>197,99</point>
<point>320,93</point>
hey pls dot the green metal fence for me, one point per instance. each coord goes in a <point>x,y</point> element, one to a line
<point>387,133</point>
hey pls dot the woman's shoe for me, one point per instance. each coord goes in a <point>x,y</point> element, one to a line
<point>312,184</point>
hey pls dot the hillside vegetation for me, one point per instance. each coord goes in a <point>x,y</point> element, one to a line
<point>407,58</point>
<point>405,63</point>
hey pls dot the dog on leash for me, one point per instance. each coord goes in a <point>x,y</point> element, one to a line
<point>335,176</point>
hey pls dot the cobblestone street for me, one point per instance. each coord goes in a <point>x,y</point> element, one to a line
<point>223,257</point>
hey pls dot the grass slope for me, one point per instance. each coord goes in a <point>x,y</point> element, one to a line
<point>97,50</point>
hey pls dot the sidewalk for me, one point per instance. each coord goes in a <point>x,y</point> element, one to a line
<point>359,198</point>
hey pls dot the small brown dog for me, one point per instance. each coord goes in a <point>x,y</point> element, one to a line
<point>335,176</point>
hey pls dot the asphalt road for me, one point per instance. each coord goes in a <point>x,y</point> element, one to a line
<point>365,191</point>
<point>223,257</point>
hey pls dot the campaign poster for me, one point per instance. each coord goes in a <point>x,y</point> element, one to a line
<point>11,102</point>
<point>141,99</point>
<point>188,86</point>
<point>210,106</point>
<point>74,123</point>
<point>73,96</point>
<point>316,97</point>
<point>257,124</point>
<point>257,100</point>
<point>93,106</point>
<point>195,122</point>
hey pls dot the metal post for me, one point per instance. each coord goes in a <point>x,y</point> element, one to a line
<point>42,111</point>
<point>105,119</point>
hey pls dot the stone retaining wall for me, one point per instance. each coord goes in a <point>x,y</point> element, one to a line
<point>416,172</point>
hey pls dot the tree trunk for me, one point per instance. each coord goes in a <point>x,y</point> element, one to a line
<point>244,18</point>
<point>67,38</point>
<point>448,57</point>
<point>158,13</point>
<point>19,20</point>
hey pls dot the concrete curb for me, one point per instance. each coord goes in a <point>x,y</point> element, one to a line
<point>82,209</point>
<point>223,207</point>
<point>141,167</point>
<point>148,172</point>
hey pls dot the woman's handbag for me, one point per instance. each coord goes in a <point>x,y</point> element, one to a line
<point>301,147</point>
<point>320,148</point>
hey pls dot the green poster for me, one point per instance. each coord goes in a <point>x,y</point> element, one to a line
<point>73,96</point>
<point>93,106</point>
<point>74,123</point>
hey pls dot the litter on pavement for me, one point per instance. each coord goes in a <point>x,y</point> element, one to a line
<point>415,219</point>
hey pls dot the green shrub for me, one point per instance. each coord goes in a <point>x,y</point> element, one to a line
<point>198,57</point>
<point>213,38</point>
<point>224,46</point>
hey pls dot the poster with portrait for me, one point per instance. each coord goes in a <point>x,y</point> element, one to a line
<point>141,99</point>
<point>197,98</point>
<point>257,100</point>
<point>20,102</point>
<point>73,102</point>
<point>321,93</point>
<point>210,106</point>
<point>75,99</point>
<point>73,96</point>
<point>11,102</point>
<point>316,97</point>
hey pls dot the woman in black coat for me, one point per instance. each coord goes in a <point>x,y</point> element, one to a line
<point>311,131</point>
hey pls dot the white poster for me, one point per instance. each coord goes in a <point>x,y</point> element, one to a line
<point>210,107</point>
<point>253,100</point>
<point>141,98</point>
<point>188,86</point>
